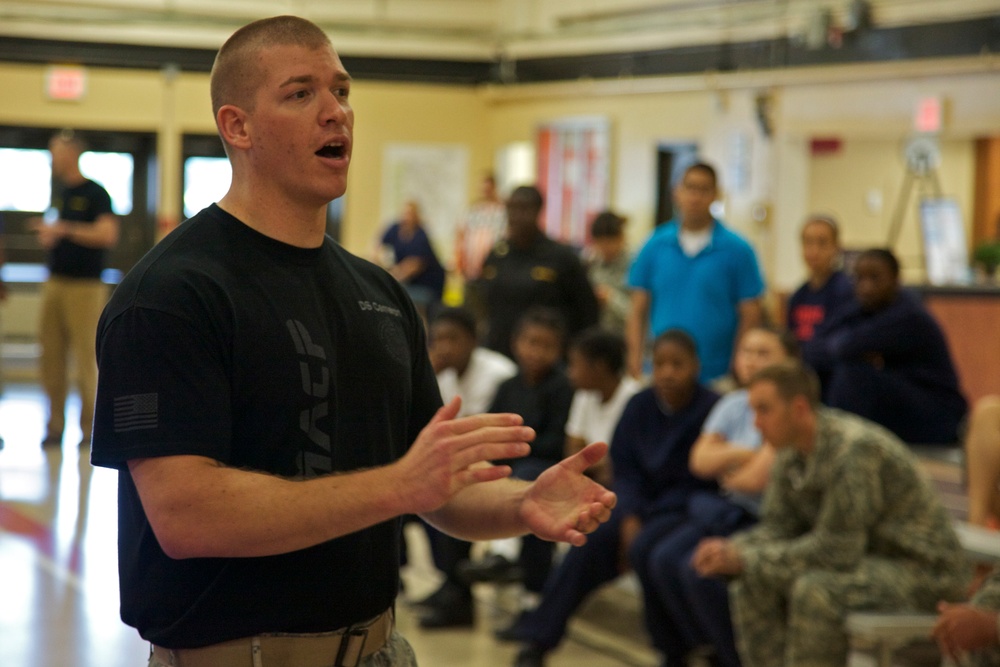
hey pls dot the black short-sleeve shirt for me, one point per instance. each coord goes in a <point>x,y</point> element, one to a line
<point>83,203</point>
<point>225,343</point>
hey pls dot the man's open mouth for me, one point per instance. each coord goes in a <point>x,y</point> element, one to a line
<point>336,151</point>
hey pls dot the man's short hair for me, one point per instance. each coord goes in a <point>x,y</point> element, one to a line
<point>530,194</point>
<point>607,224</point>
<point>460,317</point>
<point>680,338</point>
<point>883,255</point>
<point>706,168</point>
<point>824,219</point>
<point>542,316</point>
<point>601,345</point>
<point>791,379</point>
<point>235,74</point>
<point>72,138</point>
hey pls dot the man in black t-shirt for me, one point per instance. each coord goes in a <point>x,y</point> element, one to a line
<point>269,404</point>
<point>74,295</point>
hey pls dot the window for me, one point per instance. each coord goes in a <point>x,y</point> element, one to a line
<point>114,171</point>
<point>26,178</point>
<point>206,180</point>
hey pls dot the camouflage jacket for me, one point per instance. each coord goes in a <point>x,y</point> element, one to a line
<point>859,494</point>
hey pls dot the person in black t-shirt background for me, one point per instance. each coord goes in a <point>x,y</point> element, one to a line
<point>269,404</point>
<point>74,295</point>
<point>542,394</point>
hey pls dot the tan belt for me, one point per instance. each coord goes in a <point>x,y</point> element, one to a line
<point>342,648</point>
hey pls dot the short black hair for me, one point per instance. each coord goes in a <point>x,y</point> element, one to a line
<point>460,317</point>
<point>680,338</point>
<point>607,224</point>
<point>529,193</point>
<point>883,255</point>
<point>597,344</point>
<point>542,316</point>
<point>705,167</point>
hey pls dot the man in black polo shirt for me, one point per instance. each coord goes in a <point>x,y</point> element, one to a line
<point>530,269</point>
<point>73,296</point>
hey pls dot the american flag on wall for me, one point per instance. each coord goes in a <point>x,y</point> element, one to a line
<point>573,174</point>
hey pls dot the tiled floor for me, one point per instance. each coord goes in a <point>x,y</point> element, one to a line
<point>58,566</point>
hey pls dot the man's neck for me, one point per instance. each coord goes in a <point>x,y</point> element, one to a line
<point>462,367</point>
<point>820,278</point>
<point>804,440</point>
<point>298,225</point>
<point>525,241</point>
<point>608,388</point>
<point>73,179</point>
<point>699,224</point>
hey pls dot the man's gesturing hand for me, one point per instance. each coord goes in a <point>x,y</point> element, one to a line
<point>451,454</point>
<point>563,504</point>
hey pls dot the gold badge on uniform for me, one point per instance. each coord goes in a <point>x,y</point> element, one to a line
<point>544,274</point>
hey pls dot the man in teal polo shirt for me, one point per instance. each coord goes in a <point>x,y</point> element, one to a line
<point>697,275</point>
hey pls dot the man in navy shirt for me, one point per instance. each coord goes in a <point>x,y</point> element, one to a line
<point>887,359</point>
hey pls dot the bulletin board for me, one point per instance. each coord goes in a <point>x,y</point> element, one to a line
<point>436,177</point>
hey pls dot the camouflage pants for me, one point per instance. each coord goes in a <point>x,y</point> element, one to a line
<point>788,618</point>
<point>397,652</point>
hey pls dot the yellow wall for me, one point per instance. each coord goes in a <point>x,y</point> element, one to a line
<point>387,113</point>
<point>172,105</point>
<point>869,108</point>
<point>865,171</point>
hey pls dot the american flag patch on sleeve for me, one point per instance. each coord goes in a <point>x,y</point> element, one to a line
<point>136,412</point>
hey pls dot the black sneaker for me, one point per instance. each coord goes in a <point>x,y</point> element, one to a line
<point>512,632</point>
<point>436,599</point>
<point>493,568</point>
<point>456,615</point>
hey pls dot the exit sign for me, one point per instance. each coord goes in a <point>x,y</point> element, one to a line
<point>928,117</point>
<point>66,83</point>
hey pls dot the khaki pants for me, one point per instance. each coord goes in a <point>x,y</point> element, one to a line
<point>396,653</point>
<point>71,308</point>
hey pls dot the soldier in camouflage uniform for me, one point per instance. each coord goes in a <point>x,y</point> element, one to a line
<point>848,524</point>
<point>972,631</point>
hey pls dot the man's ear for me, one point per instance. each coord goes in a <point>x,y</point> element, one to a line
<point>233,126</point>
<point>800,406</point>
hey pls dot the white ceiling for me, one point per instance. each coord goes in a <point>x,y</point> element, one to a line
<point>465,29</point>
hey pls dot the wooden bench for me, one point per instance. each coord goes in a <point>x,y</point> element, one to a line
<point>883,635</point>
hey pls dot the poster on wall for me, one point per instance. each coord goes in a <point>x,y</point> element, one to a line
<point>945,250</point>
<point>573,175</point>
<point>433,175</point>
